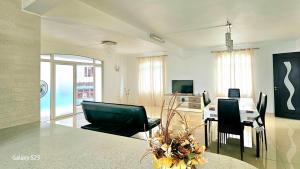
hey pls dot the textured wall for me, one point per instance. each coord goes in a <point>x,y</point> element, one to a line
<point>19,65</point>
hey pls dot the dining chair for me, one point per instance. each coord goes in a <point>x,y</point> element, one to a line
<point>206,99</point>
<point>229,121</point>
<point>262,114</point>
<point>234,93</point>
<point>259,101</point>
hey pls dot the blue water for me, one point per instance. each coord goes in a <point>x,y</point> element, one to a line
<point>63,99</point>
<point>45,102</point>
<point>64,96</point>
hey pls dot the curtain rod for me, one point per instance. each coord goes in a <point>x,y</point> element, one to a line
<point>152,56</point>
<point>218,51</point>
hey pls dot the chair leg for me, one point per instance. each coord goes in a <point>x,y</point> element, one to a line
<point>262,138</point>
<point>252,138</point>
<point>242,145</point>
<point>209,129</point>
<point>221,139</point>
<point>218,143</point>
<point>266,144</point>
<point>150,133</point>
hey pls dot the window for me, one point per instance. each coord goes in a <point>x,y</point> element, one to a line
<point>45,82</point>
<point>73,58</point>
<point>45,57</point>
<point>234,70</point>
<point>67,80</point>
<point>151,80</point>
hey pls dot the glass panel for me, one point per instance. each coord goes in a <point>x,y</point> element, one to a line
<point>73,58</point>
<point>98,83</point>
<point>47,57</point>
<point>63,90</point>
<point>85,84</point>
<point>98,61</point>
<point>45,77</point>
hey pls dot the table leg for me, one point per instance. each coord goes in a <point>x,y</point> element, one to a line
<point>205,133</point>
<point>257,144</point>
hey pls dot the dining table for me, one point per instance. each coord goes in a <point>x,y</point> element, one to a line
<point>249,116</point>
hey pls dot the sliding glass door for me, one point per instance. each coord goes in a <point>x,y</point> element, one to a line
<point>45,90</point>
<point>98,83</point>
<point>72,79</point>
<point>85,85</point>
<point>64,86</point>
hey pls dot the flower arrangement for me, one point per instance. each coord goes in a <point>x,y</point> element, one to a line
<point>172,150</point>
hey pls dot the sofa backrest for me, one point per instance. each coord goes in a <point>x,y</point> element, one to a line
<point>110,114</point>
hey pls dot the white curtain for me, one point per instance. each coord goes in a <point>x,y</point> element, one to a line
<point>151,80</point>
<point>234,70</point>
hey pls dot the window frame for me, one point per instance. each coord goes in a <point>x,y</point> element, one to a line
<point>54,62</point>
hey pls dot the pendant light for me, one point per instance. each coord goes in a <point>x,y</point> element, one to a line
<point>228,40</point>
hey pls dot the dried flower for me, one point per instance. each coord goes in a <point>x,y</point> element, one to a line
<point>175,150</point>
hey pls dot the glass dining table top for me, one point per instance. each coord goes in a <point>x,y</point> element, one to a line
<point>248,111</point>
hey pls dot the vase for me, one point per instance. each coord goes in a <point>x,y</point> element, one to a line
<point>192,167</point>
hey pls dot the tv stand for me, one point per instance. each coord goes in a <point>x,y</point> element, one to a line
<point>186,101</point>
<point>180,94</point>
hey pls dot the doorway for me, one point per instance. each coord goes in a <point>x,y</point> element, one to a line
<point>69,80</point>
<point>286,67</point>
<point>64,90</point>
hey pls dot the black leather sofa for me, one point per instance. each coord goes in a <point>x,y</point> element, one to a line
<point>118,119</point>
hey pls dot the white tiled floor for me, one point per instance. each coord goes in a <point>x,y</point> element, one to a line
<point>283,136</point>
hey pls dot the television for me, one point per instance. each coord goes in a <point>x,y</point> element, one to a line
<point>182,86</point>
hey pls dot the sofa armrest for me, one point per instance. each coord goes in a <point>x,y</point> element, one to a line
<point>152,122</point>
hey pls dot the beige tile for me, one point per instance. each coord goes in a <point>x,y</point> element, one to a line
<point>283,136</point>
<point>265,164</point>
<point>291,155</point>
<point>290,166</point>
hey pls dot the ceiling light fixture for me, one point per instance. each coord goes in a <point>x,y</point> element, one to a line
<point>108,42</point>
<point>156,38</point>
<point>110,50</point>
<point>228,40</point>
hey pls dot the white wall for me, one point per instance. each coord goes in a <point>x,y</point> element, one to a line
<point>197,65</point>
<point>19,65</point>
<point>263,66</point>
<point>132,78</point>
<point>112,79</point>
<point>200,66</point>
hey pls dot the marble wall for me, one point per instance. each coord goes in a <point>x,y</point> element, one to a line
<point>19,64</point>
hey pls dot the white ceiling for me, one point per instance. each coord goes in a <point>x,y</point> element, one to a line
<point>253,20</point>
<point>91,36</point>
